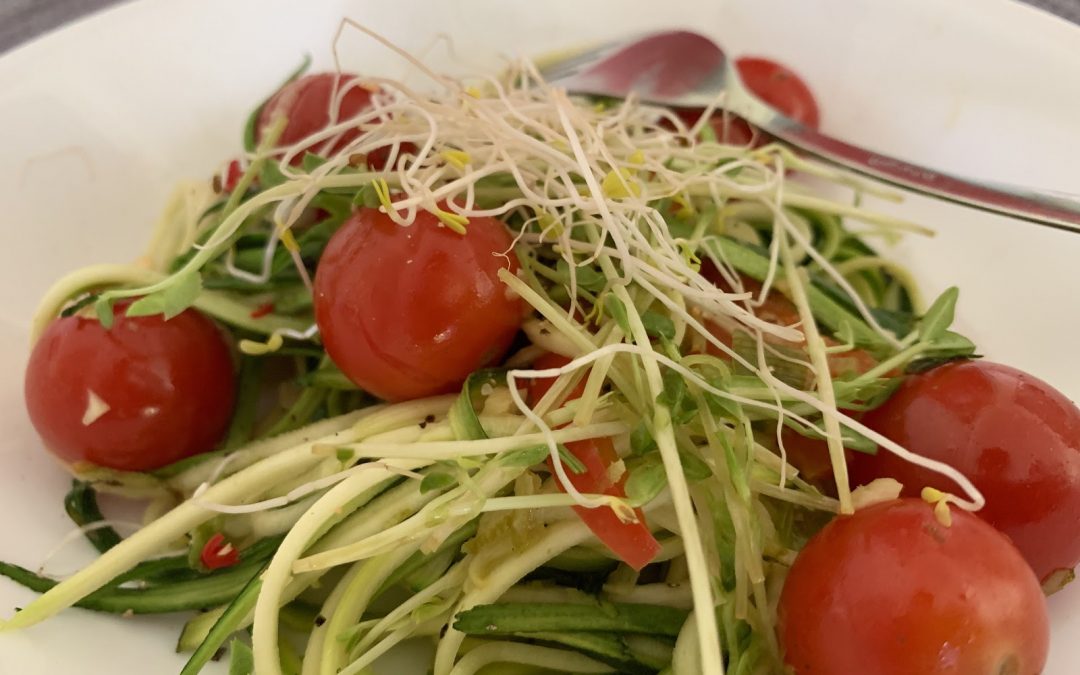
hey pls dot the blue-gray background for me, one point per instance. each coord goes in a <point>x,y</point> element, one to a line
<point>22,20</point>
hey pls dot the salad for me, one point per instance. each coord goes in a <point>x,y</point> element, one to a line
<point>554,383</point>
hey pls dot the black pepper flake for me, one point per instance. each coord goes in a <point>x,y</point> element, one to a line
<point>320,620</point>
<point>215,184</point>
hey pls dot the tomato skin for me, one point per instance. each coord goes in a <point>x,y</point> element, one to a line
<point>891,591</point>
<point>408,312</point>
<point>169,386</point>
<point>1014,436</point>
<point>306,102</point>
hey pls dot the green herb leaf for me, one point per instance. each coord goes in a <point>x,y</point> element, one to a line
<point>524,456</point>
<point>641,439</point>
<point>674,390</point>
<point>645,481</point>
<point>658,326</point>
<point>617,311</point>
<point>366,197</point>
<point>463,416</point>
<point>311,161</point>
<point>587,276</point>
<point>436,480</point>
<point>179,295</point>
<point>694,467</point>
<point>940,315</point>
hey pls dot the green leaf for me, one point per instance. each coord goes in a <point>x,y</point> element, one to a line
<point>366,197</point>
<point>270,175</point>
<point>570,460</point>
<point>694,467</point>
<point>940,316</point>
<point>658,326</point>
<point>617,310</point>
<point>641,439</point>
<point>674,390</point>
<point>241,660</point>
<point>179,295</point>
<point>923,365</point>
<point>463,416</point>
<point>587,276</point>
<point>645,481</point>
<point>436,481</point>
<point>311,161</point>
<point>954,344</point>
<point>524,456</point>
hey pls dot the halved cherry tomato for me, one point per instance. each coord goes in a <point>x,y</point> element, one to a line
<point>631,542</point>
<point>145,393</point>
<point>1013,435</point>
<point>307,103</point>
<point>892,591</point>
<point>407,312</point>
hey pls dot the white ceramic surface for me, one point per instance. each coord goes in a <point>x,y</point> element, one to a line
<point>99,119</point>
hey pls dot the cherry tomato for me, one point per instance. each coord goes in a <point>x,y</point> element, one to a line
<point>891,591</point>
<point>1014,436</point>
<point>407,312</point>
<point>307,101</point>
<point>138,396</point>
<point>773,83</point>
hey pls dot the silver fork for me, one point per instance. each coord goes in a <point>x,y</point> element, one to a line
<point>682,68</point>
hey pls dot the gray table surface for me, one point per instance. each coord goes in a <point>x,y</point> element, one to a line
<point>22,20</point>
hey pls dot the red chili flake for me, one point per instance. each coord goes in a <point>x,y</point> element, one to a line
<point>218,553</point>
<point>262,310</point>
<point>232,175</point>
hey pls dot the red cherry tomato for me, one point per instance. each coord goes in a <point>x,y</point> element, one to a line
<point>891,591</point>
<point>1014,436</point>
<point>138,396</point>
<point>307,101</point>
<point>407,312</point>
<point>773,83</point>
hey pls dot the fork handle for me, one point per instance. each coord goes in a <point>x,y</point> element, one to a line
<point>1053,210</point>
